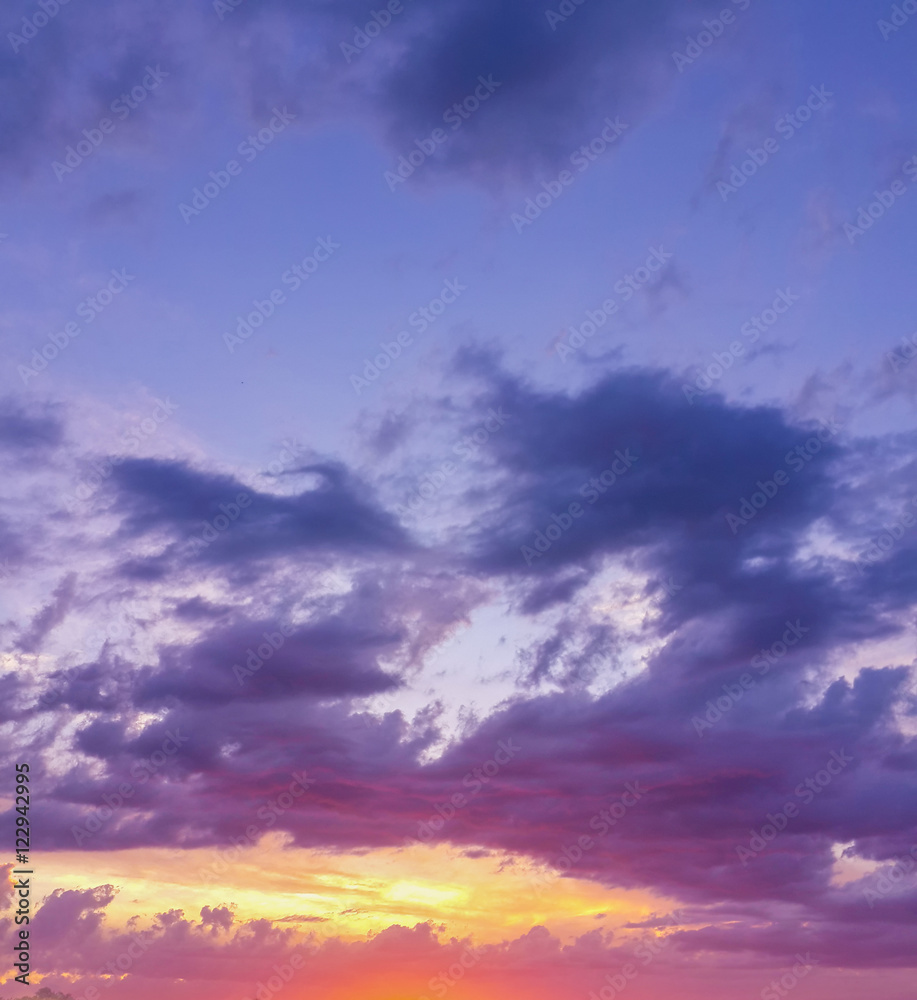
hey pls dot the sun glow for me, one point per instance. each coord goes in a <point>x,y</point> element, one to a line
<point>488,894</point>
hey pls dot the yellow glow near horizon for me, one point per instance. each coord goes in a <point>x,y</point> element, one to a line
<point>351,894</point>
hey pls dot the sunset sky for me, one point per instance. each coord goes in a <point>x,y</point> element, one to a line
<point>458,525</point>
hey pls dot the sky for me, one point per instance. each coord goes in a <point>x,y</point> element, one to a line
<point>458,513</point>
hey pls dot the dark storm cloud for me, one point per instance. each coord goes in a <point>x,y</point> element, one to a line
<point>216,520</point>
<point>553,84</point>
<point>672,471</point>
<point>570,757</point>
<point>705,788</point>
<point>334,659</point>
<point>557,82</point>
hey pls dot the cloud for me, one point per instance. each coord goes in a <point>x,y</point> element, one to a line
<point>207,955</point>
<point>50,616</point>
<point>333,659</point>
<point>554,83</point>
<point>360,606</point>
<point>176,494</point>
<point>24,430</point>
<point>672,472</point>
<point>45,994</point>
<point>217,520</point>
